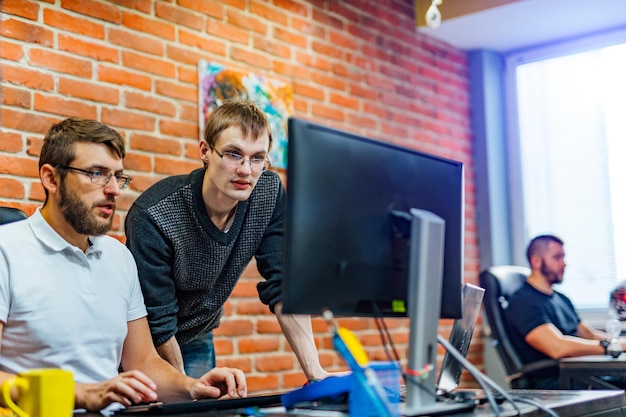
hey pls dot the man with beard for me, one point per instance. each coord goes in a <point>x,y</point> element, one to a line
<point>543,322</point>
<point>70,296</point>
<point>193,235</point>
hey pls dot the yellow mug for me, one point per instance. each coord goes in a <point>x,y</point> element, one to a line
<point>42,393</point>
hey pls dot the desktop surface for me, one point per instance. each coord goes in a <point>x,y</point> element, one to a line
<point>564,403</point>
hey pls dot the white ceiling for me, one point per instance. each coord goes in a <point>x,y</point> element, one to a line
<point>530,22</point>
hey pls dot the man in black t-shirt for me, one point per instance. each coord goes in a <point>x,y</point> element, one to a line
<point>543,322</point>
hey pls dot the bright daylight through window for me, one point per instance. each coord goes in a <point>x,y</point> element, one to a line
<point>572,118</point>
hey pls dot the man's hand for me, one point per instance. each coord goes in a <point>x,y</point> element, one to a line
<point>218,382</point>
<point>127,388</point>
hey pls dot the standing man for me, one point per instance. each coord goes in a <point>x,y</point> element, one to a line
<point>543,323</point>
<point>193,235</point>
<point>70,296</point>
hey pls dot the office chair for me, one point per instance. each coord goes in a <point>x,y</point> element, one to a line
<point>500,282</point>
<point>11,214</point>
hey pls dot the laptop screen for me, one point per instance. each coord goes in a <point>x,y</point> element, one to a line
<point>460,338</point>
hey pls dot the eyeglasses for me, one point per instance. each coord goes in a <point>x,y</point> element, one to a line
<point>102,177</point>
<point>257,163</point>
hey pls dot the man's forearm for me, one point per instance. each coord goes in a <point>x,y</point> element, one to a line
<point>299,334</point>
<point>170,351</point>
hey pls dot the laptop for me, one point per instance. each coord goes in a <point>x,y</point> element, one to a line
<point>460,338</point>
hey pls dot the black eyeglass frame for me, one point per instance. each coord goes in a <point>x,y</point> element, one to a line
<point>123,180</point>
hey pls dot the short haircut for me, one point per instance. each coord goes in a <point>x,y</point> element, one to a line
<point>539,245</point>
<point>58,144</point>
<point>239,113</point>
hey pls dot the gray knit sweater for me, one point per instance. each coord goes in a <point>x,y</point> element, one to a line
<point>187,266</point>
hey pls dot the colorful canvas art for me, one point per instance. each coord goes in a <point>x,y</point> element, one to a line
<point>219,83</point>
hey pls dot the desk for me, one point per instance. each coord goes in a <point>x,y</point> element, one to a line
<point>564,403</point>
<point>584,371</point>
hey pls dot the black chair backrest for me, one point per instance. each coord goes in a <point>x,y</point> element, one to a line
<point>11,214</point>
<point>500,282</point>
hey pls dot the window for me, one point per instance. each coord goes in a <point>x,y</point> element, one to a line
<point>571,114</point>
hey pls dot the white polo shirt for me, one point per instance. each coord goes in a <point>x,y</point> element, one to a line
<point>62,307</point>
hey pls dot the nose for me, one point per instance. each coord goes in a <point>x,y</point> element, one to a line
<point>245,168</point>
<point>112,187</point>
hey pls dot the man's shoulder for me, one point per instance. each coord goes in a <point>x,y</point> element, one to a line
<point>163,189</point>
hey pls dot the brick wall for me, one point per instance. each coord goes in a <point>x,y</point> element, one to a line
<point>358,65</point>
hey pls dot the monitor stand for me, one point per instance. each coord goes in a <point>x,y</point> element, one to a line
<point>424,305</point>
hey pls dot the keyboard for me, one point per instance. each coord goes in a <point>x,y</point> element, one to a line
<point>209,404</point>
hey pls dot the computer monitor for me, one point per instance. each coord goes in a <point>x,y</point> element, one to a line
<point>374,230</point>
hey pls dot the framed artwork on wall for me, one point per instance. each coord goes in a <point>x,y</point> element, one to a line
<point>218,83</point>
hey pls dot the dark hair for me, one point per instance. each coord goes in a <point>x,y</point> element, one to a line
<point>241,113</point>
<point>539,245</point>
<point>58,144</point>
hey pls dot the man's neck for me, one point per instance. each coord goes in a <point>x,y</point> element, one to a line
<point>539,282</point>
<point>55,219</point>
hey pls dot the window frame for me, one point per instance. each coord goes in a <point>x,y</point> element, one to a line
<point>500,207</point>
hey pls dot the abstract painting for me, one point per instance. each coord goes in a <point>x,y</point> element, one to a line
<point>218,83</point>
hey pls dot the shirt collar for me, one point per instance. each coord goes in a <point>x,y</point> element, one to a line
<point>50,238</point>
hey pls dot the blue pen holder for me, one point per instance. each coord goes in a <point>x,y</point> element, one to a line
<point>389,374</point>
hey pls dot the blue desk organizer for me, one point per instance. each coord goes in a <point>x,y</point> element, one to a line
<point>363,399</point>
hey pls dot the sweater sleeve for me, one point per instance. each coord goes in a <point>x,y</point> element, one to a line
<point>269,256</point>
<point>154,257</point>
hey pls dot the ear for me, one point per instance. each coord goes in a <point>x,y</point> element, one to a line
<point>535,261</point>
<point>50,178</point>
<point>204,150</point>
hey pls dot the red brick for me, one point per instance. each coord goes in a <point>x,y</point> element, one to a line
<point>246,21</point>
<point>245,364</point>
<point>154,144</point>
<point>260,8</point>
<point>275,363</point>
<point>96,9</point>
<point>11,51</point>
<point>132,40</point>
<point>203,41</point>
<point>228,32</point>
<point>174,167</point>
<point>88,49</point>
<point>64,107</point>
<point>10,142</point>
<point>152,26</point>
<point>206,7</point>
<point>24,8</point>
<point>177,90</point>
<point>147,64</point>
<point>25,122</point>
<point>327,112</point>
<point>26,32</point>
<point>232,327</point>
<point>223,346</point>
<point>262,383</point>
<point>88,91</point>
<point>16,97</point>
<point>65,21</point>
<point>252,308</point>
<point>184,55</point>
<point>11,188</point>
<point>179,16</point>
<point>33,145</point>
<point>280,50</point>
<point>123,77</point>
<point>50,60</point>
<point>127,119</point>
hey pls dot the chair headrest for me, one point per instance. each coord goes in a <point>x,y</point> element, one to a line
<point>11,214</point>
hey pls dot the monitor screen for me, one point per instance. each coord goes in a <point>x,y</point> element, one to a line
<point>345,249</point>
